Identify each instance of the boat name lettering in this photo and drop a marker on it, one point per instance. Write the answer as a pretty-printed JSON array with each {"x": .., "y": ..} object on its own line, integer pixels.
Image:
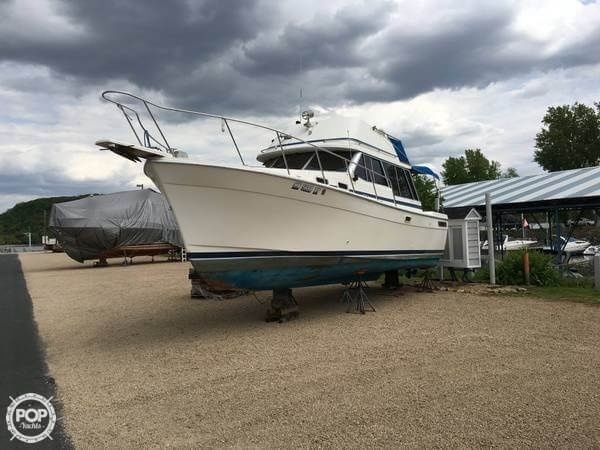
[{"x": 308, "y": 188}]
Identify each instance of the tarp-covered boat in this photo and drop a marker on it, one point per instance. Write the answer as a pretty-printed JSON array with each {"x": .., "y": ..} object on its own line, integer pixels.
[{"x": 102, "y": 226}]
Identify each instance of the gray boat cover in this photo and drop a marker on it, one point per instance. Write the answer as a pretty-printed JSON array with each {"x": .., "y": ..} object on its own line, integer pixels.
[{"x": 98, "y": 224}]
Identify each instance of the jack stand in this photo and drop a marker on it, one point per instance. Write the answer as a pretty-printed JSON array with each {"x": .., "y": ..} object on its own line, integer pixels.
[
  {"x": 426, "y": 284},
  {"x": 391, "y": 280},
  {"x": 283, "y": 306},
  {"x": 355, "y": 294},
  {"x": 102, "y": 262}
]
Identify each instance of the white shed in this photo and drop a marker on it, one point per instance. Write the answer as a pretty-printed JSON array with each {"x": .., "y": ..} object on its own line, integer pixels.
[{"x": 463, "y": 250}]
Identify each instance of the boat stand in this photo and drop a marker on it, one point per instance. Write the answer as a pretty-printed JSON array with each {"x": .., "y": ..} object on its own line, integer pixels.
[
  {"x": 465, "y": 275},
  {"x": 426, "y": 284},
  {"x": 356, "y": 296},
  {"x": 284, "y": 306},
  {"x": 392, "y": 280}
]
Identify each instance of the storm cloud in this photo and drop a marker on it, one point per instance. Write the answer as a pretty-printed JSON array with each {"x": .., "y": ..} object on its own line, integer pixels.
[{"x": 254, "y": 55}]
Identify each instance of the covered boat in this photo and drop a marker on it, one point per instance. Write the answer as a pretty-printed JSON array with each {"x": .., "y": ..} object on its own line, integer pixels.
[{"x": 120, "y": 224}]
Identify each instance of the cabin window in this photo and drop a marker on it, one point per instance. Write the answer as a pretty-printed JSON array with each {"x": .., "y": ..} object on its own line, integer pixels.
[
  {"x": 294, "y": 161},
  {"x": 330, "y": 162},
  {"x": 372, "y": 170},
  {"x": 402, "y": 183},
  {"x": 411, "y": 184},
  {"x": 378, "y": 172},
  {"x": 309, "y": 161}
]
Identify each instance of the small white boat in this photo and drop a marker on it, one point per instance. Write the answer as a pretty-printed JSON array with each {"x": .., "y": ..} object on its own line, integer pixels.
[
  {"x": 509, "y": 244},
  {"x": 570, "y": 246},
  {"x": 333, "y": 197}
]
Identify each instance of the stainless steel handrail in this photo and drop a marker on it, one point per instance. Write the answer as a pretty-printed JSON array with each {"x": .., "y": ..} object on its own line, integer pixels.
[{"x": 147, "y": 136}]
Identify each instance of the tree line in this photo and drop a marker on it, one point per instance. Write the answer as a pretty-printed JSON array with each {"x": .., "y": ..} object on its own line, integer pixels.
[{"x": 569, "y": 139}]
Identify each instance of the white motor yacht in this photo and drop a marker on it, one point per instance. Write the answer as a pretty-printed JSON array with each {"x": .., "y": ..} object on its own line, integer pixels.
[{"x": 332, "y": 198}]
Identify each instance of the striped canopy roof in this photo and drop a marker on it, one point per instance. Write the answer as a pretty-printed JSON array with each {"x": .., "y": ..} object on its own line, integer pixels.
[{"x": 553, "y": 186}]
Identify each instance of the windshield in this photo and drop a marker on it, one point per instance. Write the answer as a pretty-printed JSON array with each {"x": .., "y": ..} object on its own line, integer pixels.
[{"x": 308, "y": 161}]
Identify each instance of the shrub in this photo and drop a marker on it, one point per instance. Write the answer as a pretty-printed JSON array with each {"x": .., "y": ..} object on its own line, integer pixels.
[{"x": 541, "y": 269}]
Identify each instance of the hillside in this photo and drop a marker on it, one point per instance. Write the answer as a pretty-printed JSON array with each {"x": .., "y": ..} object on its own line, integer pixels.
[{"x": 28, "y": 216}]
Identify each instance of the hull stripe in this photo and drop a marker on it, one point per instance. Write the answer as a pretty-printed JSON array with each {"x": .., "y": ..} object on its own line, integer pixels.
[{"x": 251, "y": 254}]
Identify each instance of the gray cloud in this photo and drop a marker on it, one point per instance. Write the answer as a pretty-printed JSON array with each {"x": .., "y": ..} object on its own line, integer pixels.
[
  {"x": 244, "y": 56},
  {"x": 325, "y": 42},
  {"x": 145, "y": 42},
  {"x": 43, "y": 184}
]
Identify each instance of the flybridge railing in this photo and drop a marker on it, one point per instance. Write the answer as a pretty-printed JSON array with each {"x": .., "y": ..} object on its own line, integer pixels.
[{"x": 160, "y": 143}]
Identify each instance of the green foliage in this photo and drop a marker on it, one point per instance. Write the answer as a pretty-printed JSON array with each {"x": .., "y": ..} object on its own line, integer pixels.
[
  {"x": 427, "y": 191},
  {"x": 570, "y": 137},
  {"x": 28, "y": 217},
  {"x": 541, "y": 270},
  {"x": 511, "y": 172},
  {"x": 474, "y": 166}
]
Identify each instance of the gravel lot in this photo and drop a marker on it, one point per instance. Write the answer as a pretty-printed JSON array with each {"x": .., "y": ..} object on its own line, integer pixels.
[{"x": 138, "y": 363}]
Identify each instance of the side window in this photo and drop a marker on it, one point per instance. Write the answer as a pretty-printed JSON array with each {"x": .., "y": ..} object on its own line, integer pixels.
[
  {"x": 392, "y": 175},
  {"x": 378, "y": 172},
  {"x": 372, "y": 170},
  {"x": 403, "y": 183},
  {"x": 361, "y": 171},
  {"x": 411, "y": 183}
]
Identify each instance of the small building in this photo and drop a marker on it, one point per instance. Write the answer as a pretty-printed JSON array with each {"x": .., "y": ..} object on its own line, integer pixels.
[{"x": 463, "y": 250}]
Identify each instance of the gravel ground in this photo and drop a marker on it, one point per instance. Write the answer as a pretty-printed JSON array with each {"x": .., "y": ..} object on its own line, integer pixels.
[{"x": 138, "y": 363}]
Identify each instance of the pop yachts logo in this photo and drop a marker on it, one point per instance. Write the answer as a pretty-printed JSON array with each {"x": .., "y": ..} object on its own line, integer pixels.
[{"x": 30, "y": 418}]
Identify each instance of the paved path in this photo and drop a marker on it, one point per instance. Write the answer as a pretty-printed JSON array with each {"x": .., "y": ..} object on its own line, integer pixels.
[{"x": 22, "y": 361}]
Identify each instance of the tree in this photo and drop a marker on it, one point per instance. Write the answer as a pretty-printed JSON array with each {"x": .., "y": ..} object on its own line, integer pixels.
[
  {"x": 570, "y": 137},
  {"x": 427, "y": 191},
  {"x": 474, "y": 166},
  {"x": 28, "y": 217},
  {"x": 511, "y": 172}
]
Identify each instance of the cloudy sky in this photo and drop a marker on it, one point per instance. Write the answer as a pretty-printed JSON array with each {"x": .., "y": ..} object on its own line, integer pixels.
[{"x": 441, "y": 75}]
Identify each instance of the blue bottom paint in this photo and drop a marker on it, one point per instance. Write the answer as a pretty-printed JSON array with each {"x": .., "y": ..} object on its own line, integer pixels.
[{"x": 299, "y": 276}]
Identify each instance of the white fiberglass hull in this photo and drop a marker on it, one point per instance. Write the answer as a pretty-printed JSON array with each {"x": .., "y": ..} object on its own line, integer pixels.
[{"x": 248, "y": 228}]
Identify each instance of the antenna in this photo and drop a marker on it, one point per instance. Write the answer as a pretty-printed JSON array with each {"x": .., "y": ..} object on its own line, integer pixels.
[{"x": 300, "y": 106}]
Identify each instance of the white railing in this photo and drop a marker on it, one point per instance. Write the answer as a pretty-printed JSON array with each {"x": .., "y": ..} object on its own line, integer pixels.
[{"x": 160, "y": 143}]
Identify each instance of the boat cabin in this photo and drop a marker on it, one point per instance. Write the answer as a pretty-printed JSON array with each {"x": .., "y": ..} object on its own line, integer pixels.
[{"x": 348, "y": 154}]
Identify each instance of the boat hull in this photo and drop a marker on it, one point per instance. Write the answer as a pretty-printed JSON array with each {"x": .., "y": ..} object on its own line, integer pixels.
[
  {"x": 259, "y": 273},
  {"x": 250, "y": 229}
]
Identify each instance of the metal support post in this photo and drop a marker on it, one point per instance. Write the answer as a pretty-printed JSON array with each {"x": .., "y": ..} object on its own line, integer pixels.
[
  {"x": 597, "y": 272},
  {"x": 490, "y": 237}
]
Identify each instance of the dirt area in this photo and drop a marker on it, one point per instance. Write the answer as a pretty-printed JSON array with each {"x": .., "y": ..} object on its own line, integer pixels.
[{"x": 137, "y": 363}]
